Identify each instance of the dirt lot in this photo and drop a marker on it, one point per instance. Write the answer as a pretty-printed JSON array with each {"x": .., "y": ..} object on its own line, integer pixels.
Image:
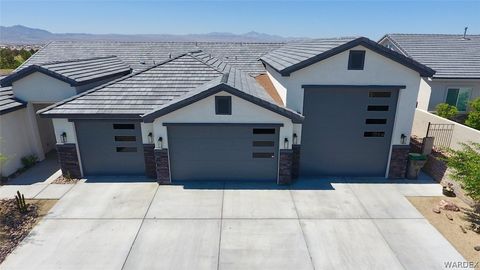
[
  {"x": 464, "y": 242},
  {"x": 14, "y": 226}
]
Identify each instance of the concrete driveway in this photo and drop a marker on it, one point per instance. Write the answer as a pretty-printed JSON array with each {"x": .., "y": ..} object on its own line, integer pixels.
[{"x": 313, "y": 224}]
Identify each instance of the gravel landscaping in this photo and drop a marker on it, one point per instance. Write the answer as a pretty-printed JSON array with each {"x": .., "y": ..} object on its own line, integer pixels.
[
  {"x": 14, "y": 226},
  {"x": 455, "y": 220},
  {"x": 65, "y": 180}
]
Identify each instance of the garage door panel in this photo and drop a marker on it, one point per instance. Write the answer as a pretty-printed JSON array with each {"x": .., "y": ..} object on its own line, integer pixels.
[
  {"x": 103, "y": 152},
  {"x": 336, "y": 139},
  {"x": 220, "y": 153}
]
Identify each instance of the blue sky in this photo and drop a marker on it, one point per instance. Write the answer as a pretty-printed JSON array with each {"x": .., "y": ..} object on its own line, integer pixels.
[{"x": 286, "y": 18}]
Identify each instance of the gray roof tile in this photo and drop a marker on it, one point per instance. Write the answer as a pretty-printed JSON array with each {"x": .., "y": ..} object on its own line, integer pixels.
[
  {"x": 76, "y": 71},
  {"x": 8, "y": 103},
  {"x": 450, "y": 55}
]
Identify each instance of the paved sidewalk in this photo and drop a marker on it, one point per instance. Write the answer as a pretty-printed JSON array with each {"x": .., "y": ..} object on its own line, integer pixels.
[{"x": 313, "y": 224}]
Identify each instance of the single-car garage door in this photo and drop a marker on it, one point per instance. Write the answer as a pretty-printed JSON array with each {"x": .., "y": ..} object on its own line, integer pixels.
[
  {"x": 223, "y": 152},
  {"x": 110, "y": 148},
  {"x": 347, "y": 131}
]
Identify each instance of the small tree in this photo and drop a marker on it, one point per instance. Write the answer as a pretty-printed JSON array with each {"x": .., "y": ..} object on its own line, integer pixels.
[
  {"x": 473, "y": 118},
  {"x": 466, "y": 168},
  {"x": 446, "y": 110}
]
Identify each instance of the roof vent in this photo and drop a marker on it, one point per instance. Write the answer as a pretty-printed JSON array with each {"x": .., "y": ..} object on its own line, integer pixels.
[{"x": 465, "y": 34}]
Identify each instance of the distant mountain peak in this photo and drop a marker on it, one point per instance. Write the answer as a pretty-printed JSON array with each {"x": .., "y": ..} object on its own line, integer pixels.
[{"x": 20, "y": 34}]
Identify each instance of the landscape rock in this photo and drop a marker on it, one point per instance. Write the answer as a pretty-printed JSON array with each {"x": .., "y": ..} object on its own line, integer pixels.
[
  {"x": 463, "y": 229},
  {"x": 477, "y": 248},
  {"x": 449, "y": 216},
  {"x": 436, "y": 210},
  {"x": 448, "y": 205}
]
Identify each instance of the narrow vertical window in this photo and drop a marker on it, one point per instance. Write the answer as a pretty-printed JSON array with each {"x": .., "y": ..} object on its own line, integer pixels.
[
  {"x": 356, "y": 60},
  {"x": 223, "y": 105}
]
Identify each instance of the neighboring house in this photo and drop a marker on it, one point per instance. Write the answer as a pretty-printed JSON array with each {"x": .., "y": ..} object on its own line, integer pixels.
[
  {"x": 456, "y": 60},
  {"x": 340, "y": 107}
]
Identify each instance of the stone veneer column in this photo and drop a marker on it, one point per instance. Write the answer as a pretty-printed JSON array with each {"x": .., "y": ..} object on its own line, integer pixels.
[
  {"x": 398, "y": 161},
  {"x": 285, "y": 167},
  {"x": 68, "y": 159},
  {"x": 296, "y": 161},
  {"x": 149, "y": 156},
  {"x": 162, "y": 166}
]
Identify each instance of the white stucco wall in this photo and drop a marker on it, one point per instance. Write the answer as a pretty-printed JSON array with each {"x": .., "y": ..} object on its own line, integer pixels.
[
  {"x": 439, "y": 89},
  {"x": 38, "y": 87},
  {"x": 203, "y": 111},
  {"x": 378, "y": 70},
  {"x": 15, "y": 140},
  {"x": 424, "y": 94},
  {"x": 461, "y": 133}
]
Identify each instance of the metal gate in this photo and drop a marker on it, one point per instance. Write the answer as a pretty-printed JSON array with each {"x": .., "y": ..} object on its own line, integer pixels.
[{"x": 442, "y": 134}]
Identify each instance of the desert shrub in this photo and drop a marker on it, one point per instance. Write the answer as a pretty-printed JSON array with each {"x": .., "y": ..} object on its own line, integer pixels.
[
  {"x": 466, "y": 168},
  {"x": 473, "y": 118},
  {"x": 29, "y": 161},
  {"x": 446, "y": 110}
]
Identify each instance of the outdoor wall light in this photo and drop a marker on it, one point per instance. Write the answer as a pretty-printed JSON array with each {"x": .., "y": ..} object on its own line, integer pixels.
[
  {"x": 63, "y": 136},
  {"x": 285, "y": 143},
  {"x": 295, "y": 138},
  {"x": 150, "y": 137},
  {"x": 403, "y": 138},
  {"x": 160, "y": 142}
]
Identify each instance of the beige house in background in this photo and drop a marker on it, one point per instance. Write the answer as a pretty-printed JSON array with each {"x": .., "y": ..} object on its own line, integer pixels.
[{"x": 456, "y": 60}]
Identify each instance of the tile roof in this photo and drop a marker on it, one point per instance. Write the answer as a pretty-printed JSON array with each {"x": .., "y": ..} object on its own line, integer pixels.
[
  {"x": 140, "y": 55},
  {"x": 164, "y": 87},
  {"x": 75, "y": 71},
  {"x": 298, "y": 55},
  {"x": 450, "y": 55},
  {"x": 296, "y": 52},
  {"x": 140, "y": 92},
  {"x": 8, "y": 103}
]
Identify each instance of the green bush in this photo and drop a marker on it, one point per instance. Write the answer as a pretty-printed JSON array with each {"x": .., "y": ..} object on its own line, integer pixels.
[
  {"x": 466, "y": 168},
  {"x": 446, "y": 110},
  {"x": 473, "y": 118},
  {"x": 29, "y": 161}
]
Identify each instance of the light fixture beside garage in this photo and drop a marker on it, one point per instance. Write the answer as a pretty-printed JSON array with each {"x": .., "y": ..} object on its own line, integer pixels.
[
  {"x": 285, "y": 143},
  {"x": 295, "y": 138},
  {"x": 150, "y": 137},
  {"x": 63, "y": 136},
  {"x": 160, "y": 142},
  {"x": 403, "y": 139}
]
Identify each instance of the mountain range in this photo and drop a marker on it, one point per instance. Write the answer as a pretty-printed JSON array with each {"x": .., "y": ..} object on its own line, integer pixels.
[{"x": 19, "y": 34}]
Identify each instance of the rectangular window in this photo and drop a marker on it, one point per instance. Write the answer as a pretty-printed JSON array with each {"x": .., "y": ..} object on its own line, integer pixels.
[
  {"x": 263, "y": 143},
  {"x": 126, "y": 149},
  {"x": 377, "y": 108},
  {"x": 356, "y": 60},
  {"x": 263, "y": 155},
  {"x": 379, "y": 94},
  {"x": 459, "y": 98},
  {"x": 125, "y": 138},
  {"x": 223, "y": 105},
  {"x": 374, "y": 134},
  {"x": 263, "y": 131},
  {"x": 123, "y": 126},
  {"x": 375, "y": 121}
]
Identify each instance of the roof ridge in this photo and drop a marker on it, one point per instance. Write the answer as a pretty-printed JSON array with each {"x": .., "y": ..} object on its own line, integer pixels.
[
  {"x": 207, "y": 64},
  {"x": 77, "y": 60}
]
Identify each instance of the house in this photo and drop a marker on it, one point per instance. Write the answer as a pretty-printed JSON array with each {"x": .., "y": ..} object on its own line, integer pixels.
[
  {"x": 456, "y": 60},
  {"x": 272, "y": 112}
]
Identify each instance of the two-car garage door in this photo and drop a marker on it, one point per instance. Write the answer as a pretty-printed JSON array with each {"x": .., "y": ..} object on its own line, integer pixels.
[{"x": 347, "y": 131}]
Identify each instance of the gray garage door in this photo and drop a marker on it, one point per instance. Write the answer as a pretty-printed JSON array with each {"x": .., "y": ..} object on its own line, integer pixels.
[
  {"x": 226, "y": 152},
  {"x": 110, "y": 148},
  {"x": 347, "y": 131}
]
